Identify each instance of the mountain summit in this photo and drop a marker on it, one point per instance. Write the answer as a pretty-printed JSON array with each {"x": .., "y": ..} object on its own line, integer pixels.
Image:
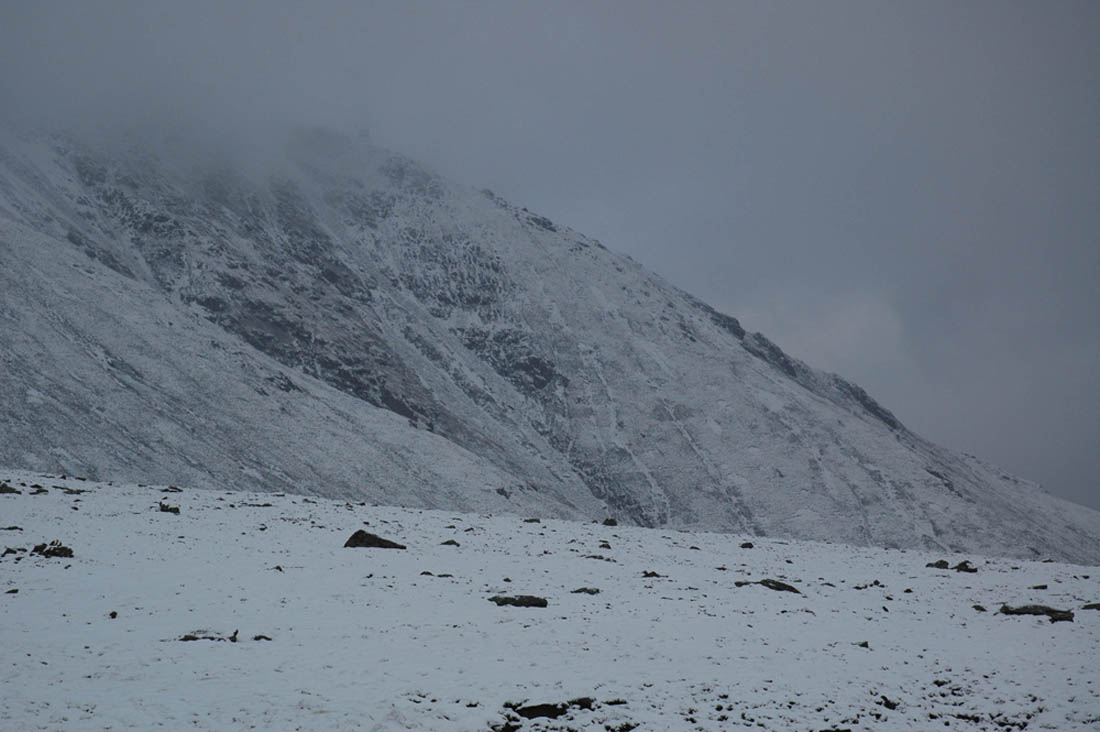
[{"x": 349, "y": 324}]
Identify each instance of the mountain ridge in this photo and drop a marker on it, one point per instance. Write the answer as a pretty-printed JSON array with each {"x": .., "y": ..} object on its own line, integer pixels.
[{"x": 351, "y": 284}]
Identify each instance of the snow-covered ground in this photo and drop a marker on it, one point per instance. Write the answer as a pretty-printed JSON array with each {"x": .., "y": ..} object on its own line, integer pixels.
[{"x": 381, "y": 639}]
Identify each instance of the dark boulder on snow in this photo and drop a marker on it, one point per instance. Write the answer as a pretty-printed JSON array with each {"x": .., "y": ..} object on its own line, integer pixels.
[
  {"x": 771, "y": 584},
  {"x": 940, "y": 564},
  {"x": 53, "y": 549},
  {"x": 1054, "y": 615},
  {"x": 365, "y": 539},
  {"x": 519, "y": 600},
  {"x": 1092, "y": 606}
]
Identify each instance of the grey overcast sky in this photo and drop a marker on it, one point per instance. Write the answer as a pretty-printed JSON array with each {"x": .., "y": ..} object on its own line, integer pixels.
[{"x": 906, "y": 193}]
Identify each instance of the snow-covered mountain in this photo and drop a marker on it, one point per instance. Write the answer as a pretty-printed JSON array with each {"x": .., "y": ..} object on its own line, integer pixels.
[
  {"x": 347, "y": 323},
  {"x": 216, "y": 610}
]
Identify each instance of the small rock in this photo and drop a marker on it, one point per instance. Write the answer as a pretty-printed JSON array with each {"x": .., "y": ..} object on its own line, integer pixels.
[
  {"x": 519, "y": 600},
  {"x": 964, "y": 566},
  {"x": 53, "y": 549},
  {"x": 12, "y": 591},
  {"x": 113, "y": 614},
  {"x": 1092, "y": 606},
  {"x": 586, "y": 591},
  {"x": 979, "y": 608},
  {"x": 261, "y": 637},
  {"x": 450, "y": 542},
  {"x": 1038, "y": 587},
  {"x": 532, "y": 521},
  {"x": 5, "y": 488},
  {"x": 649, "y": 573},
  {"x": 368, "y": 540},
  {"x": 610, "y": 522},
  {"x": 747, "y": 545},
  {"x": 939, "y": 564},
  {"x": 1054, "y": 615},
  {"x": 165, "y": 508},
  {"x": 886, "y": 702}
]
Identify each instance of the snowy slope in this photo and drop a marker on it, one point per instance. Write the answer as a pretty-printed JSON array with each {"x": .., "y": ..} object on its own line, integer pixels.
[
  {"x": 385, "y": 639},
  {"x": 348, "y": 286}
]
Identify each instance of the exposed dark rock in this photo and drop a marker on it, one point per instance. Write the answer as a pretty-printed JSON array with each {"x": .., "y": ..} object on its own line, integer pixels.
[
  {"x": 610, "y": 522},
  {"x": 13, "y": 591},
  {"x": 650, "y": 573},
  {"x": 532, "y": 521},
  {"x": 939, "y": 564},
  {"x": 1054, "y": 615},
  {"x": 371, "y": 541},
  {"x": 12, "y": 528},
  {"x": 450, "y": 542},
  {"x": 746, "y": 545},
  {"x": 519, "y": 600},
  {"x": 261, "y": 637},
  {"x": 586, "y": 591},
  {"x": 1038, "y": 587},
  {"x": 1092, "y": 606},
  {"x": 771, "y": 584},
  {"x": 165, "y": 508},
  {"x": 113, "y": 614},
  {"x": 964, "y": 566},
  {"x": 53, "y": 549},
  {"x": 5, "y": 488},
  {"x": 888, "y": 703},
  {"x": 979, "y": 608}
]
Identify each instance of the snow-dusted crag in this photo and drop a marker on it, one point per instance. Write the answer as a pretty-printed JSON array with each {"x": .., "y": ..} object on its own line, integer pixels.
[{"x": 348, "y": 323}]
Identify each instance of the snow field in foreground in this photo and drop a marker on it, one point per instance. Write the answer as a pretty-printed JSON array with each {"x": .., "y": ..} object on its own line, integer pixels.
[{"x": 381, "y": 639}]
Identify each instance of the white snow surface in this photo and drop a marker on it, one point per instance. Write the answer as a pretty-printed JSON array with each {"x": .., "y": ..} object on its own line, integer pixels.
[{"x": 384, "y": 639}]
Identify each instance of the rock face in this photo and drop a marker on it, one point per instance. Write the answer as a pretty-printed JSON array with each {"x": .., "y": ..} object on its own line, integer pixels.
[{"x": 350, "y": 324}]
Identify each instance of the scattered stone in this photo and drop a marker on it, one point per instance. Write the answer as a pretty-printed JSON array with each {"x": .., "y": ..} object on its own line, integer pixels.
[
  {"x": 519, "y": 600},
  {"x": 771, "y": 584},
  {"x": 605, "y": 545},
  {"x": 261, "y": 637},
  {"x": 979, "y": 608},
  {"x": 365, "y": 539},
  {"x": 172, "y": 489},
  {"x": 73, "y": 491},
  {"x": 747, "y": 545},
  {"x": 13, "y": 591},
  {"x": 5, "y": 488},
  {"x": 886, "y": 702},
  {"x": 586, "y": 591},
  {"x": 939, "y": 564},
  {"x": 1038, "y": 587},
  {"x": 610, "y": 522},
  {"x": 1092, "y": 606},
  {"x": 39, "y": 490},
  {"x": 12, "y": 528},
  {"x": 649, "y": 573},
  {"x": 165, "y": 508},
  {"x": 12, "y": 550},
  {"x": 863, "y": 644},
  {"x": 601, "y": 557},
  {"x": 964, "y": 566},
  {"x": 450, "y": 542},
  {"x": 532, "y": 521},
  {"x": 113, "y": 614},
  {"x": 53, "y": 549},
  {"x": 1054, "y": 615},
  {"x": 188, "y": 637}
]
